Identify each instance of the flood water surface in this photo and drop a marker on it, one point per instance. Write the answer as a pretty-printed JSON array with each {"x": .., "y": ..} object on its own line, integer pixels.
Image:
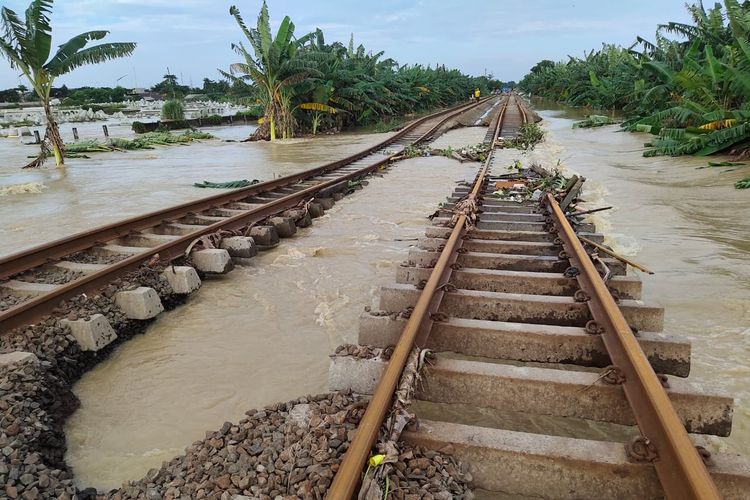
[
  {"x": 262, "y": 333},
  {"x": 690, "y": 226},
  {"x": 258, "y": 335},
  {"x": 39, "y": 205}
]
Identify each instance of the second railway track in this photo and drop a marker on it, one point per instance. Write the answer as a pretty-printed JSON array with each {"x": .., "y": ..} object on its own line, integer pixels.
[{"x": 35, "y": 281}]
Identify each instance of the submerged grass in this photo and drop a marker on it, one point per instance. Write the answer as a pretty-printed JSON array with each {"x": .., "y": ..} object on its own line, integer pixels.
[
  {"x": 594, "y": 121},
  {"x": 145, "y": 141}
]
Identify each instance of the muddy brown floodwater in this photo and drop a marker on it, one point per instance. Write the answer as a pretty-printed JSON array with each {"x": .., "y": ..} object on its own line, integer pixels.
[
  {"x": 39, "y": 205},
  {"x": 258, "y": 335},
  {"x": 263, "y": 333}
]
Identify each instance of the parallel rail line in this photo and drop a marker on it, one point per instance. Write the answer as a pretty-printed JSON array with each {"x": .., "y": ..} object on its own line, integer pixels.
[
  {"x": 304, "y": 186},
  {"x": 663, "y": 442}
]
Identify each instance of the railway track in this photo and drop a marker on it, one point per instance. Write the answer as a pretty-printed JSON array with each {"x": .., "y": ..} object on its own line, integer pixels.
[
  {"x": 550, "y": 378},
  {"x": 35, "y": 281}
]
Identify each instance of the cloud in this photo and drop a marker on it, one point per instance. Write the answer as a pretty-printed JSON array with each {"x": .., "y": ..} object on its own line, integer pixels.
[{"x": 193, "y": 37}]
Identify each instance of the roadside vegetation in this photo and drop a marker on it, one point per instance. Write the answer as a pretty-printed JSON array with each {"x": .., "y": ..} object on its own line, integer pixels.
[
  {"x": 304, "y": 84},
  {"x": 689, "y": 87},
  {"x": 26, "y": 44},
  {"x": 291, "y": 83}
]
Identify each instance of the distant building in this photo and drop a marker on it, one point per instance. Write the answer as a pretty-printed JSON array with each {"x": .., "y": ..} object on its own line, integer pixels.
[{"x": 139, "y": 93}]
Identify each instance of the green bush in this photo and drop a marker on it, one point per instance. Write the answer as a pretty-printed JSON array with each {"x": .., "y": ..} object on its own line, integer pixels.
[
  {"x": 212, "y": 120},
  {"x": 173, "y": 109},
  {"x": 108, "y": 109},
  {"x": 139, "y": 127},
  {"x": 250, "y": 114}
]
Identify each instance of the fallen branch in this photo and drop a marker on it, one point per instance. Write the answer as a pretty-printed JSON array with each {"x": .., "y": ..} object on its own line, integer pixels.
[{"x": 616, "y": 256}]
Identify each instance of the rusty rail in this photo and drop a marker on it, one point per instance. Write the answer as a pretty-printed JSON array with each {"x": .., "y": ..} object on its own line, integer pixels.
[
  {"x": 664, "y": 440},
  {"x": 26, "y": 312},
  {"x": 416, "y": 331}
]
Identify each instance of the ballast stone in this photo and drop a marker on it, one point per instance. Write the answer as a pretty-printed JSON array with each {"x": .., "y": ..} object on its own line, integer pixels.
[
  {"x": 92, "y": 334},
  {"x": 182, "y": 279},
  {"x": 239, "y": 246},
  {"x": 17, "y": 357},
  {"x": 212, "y": 261},
  {"x": 141, "y": 303}
]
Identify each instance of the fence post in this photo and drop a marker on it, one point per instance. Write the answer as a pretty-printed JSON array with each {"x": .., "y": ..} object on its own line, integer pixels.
[
  {"x": 36, "y": 136},
  {"x": 106, "y": 131},
  {"x": 75, "y": 133}
]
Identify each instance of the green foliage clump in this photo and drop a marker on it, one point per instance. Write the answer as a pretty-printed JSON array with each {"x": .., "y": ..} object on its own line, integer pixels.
[
  {"x": 529, "y": 135},
  {"x": 145, "y": 141},
  {"x": 303, "y": 82},
  {"x": 173, "y": 109},
  {"x": 250, "y": 114},
  {"x": 594, "y": 121},
  {"x": 212, "y": 120},
  {"x": 690, "y": 87},
  {"x": 388, "y": 125},
  {"x": 743, "y": 184},
  {"x": 139, "y": 127}
]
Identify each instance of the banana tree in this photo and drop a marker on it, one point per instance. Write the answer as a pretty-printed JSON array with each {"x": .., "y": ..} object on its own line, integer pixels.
[
  {"x": 274, "y": 66},
  {"x": 27, "y": 45}
]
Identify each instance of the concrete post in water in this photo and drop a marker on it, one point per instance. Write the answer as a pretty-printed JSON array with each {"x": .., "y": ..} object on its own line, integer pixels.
[
  {"x": 75, "y": 133},
  {"x": 37, "y": 139},
  {"x": 106, "y": 131}
]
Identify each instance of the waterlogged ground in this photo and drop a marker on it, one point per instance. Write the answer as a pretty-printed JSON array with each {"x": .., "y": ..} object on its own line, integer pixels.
[
  {"x": 690, "y": 226},
  {"x": 262, "y": 333},
  {"x": 259, "y": 335}
]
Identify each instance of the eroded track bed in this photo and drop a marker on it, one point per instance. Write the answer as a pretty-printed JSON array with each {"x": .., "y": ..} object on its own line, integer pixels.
[{"x": 543, "y": 359}]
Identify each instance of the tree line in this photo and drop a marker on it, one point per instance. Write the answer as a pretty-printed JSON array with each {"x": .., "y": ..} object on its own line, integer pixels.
[
  {"x": 294, "y": 83},
  {"x": 689, "y": 86}
]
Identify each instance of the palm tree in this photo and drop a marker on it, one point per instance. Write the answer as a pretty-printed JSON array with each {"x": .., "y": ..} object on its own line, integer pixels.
[
  {"x": 274, "y": 66},
  {"x": 27, "y": 46}
]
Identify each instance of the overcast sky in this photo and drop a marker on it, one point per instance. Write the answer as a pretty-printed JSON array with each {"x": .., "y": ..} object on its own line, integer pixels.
[{"x": 505, "y": 38}]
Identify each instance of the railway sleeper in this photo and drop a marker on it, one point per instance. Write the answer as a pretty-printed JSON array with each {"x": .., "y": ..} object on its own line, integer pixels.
[
  {"x": 497, "y": 225},
  {"x": 527, "y": 342},
  {"x": 520, "y": 308},
  {"x": 145, "y": 240},
  {"x": 200, "y": 219},
  {"x": 495, "y": 246},
  {"x": 487, "y": 202},
  {"x": 174, "y": 229},
  {"x": 535, "y": 283},
  {"x": 509, "y": 262},
  {"x": 539, "y": 391},
  {"x": 537, "y": 465},
  {"x": 488, "y": 207},
  {"x": 502, "y": 216},
  {"x": 26, "y": 289},
  {"x": 81, "y": 267},
  {"x": 508, "y": 235}
]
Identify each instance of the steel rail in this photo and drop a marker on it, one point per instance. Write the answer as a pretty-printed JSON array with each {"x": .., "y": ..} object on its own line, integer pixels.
[
  {"x": 27, "y": 311},
  {"x": 416, "y": 331},
  {"x": 678, "y": 465},
  {"x": 32, "y": 257}
]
